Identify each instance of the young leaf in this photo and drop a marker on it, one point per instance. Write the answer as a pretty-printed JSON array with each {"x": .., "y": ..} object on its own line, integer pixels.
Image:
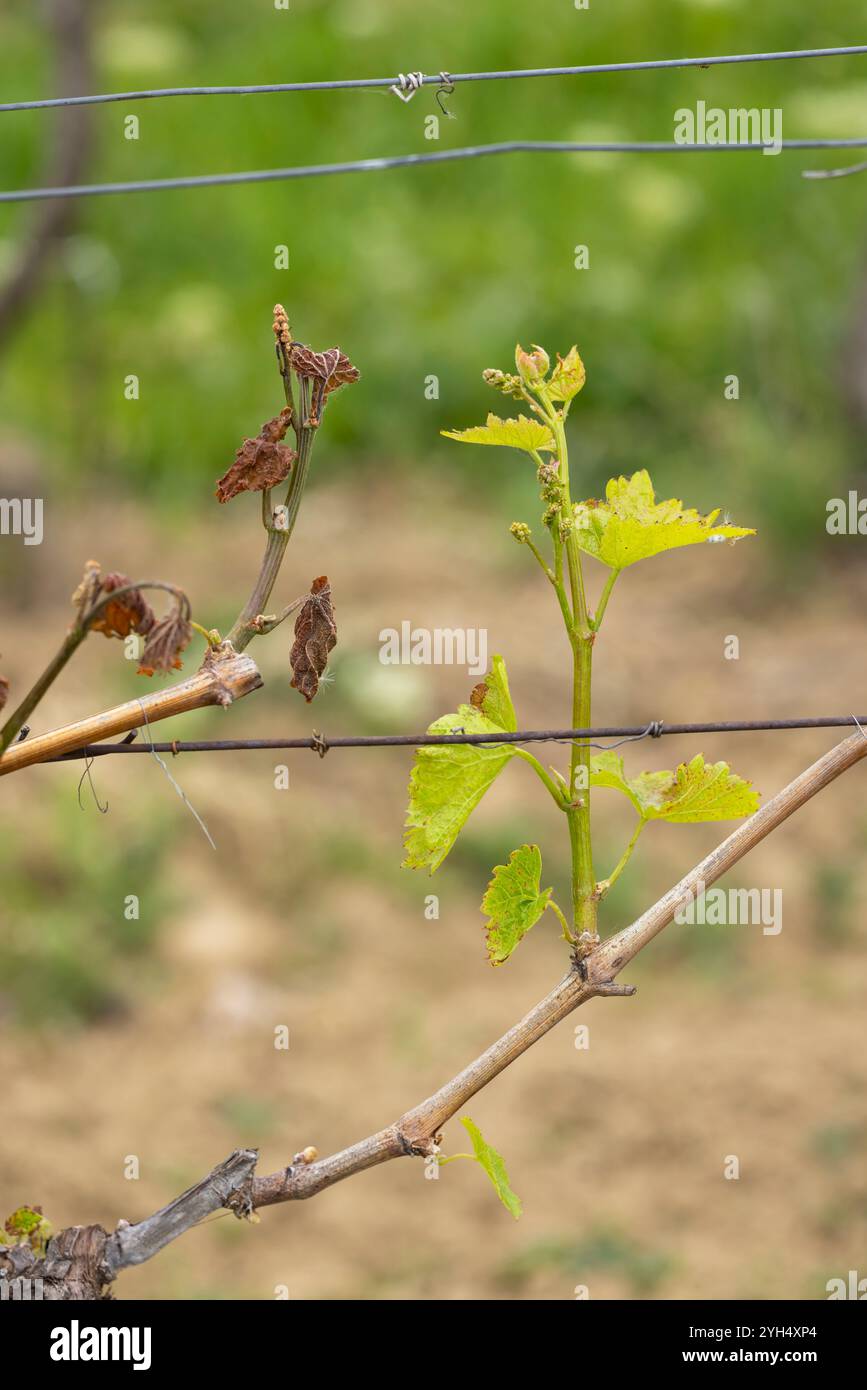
[
  {"x": 449, "y": 780},
  {"x": 495, "y": 1168},
  {"x": 696, "y": 791},
  {"x": 513, "y": 902},
  {"x": 567, "y": 377},
  {"x": 522, "y": 433},
  {"x": 630, "y": 525},
  {"x": 28, "y": 1226}
]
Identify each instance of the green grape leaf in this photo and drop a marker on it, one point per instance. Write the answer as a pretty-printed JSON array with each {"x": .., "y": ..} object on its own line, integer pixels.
[
  {"x": 495, "y": 1168},
  {"x": 695, "y": 791},
  {"x": 449, "y": 780},
  {"x": 522, "y": 433},
  {"x": 630, "y": 525},
  {"x": 567, "y": 377},
  {"x": 513, "y": 902}
]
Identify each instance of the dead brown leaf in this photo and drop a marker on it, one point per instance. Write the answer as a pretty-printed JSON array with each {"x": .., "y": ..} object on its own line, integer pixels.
[
  {"x": 166, "y": 640},
  {"x": 315, "y": 637},
  {"x": 260, "y": 463}
]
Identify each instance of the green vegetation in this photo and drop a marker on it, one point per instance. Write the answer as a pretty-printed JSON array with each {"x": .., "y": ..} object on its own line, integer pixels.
[{"x": 700, "y": 266}]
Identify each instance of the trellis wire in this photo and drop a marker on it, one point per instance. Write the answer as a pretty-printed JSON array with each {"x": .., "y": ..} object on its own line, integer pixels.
[
  {"x": 365, "y": 166},
  {"x": 343, "y": 84},
  {"x": 657, "y": 728}
]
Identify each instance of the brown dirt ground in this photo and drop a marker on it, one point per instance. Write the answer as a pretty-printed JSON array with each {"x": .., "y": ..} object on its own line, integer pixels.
[{"x": 749, "y": 1045}]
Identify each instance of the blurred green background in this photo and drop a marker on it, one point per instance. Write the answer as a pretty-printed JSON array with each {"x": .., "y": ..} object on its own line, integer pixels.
[
  {"x": 700, "y": 266},
  {"x": 153, "y": 1036}
]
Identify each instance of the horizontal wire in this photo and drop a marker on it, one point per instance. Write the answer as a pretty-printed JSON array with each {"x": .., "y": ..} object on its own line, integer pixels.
[
  {"x": 343, "y": 84},
  {"x": 321, "y": 745},
  {"x": 399, "y": 161}
]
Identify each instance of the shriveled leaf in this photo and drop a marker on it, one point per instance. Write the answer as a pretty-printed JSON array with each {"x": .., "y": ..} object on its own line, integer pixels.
[
  {"x": 513, "y": 902},
  {"x": 449, "y": 780},
  {"x": 4, "y": 691},
  {"x": 495, "y": 1168},
  {"x": 522, "y": 433},
  {"x": 630, "y": 525},
  {"x": 130, "y": 612},
  {"x": 165, "y": 642},
  {"x": 327, "y": 371},
  {"x": 260, "y": 463},
  {"x": 567, "y": 377},
  {"x": 315, "y": 637},
  {"x": 695, "y": 791},
  {"x": 28, "y": 1226}
]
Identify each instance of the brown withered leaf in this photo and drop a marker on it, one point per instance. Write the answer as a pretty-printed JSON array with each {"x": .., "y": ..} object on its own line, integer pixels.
[
  {"x": 166, "y": 640},
  {"x": 131, "y": 612},
  {"x": 327, "y": 370},
  {"x": 315, "y": 637},
  {"x": 4, "y": 691},
  {"x": 260, "y": 463}
]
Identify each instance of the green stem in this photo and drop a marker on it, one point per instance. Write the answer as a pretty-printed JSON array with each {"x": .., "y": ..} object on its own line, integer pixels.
[
  {"x": 612, "y": 878},
  {"x": 212, "y": 638},
  {"x": 584, "y": 899},
  {"x": 567, "y": 935},
  {"x": 544, "y": 777},
  {"x": 596, "y": 620},
  {"x": 581, "y": 638},
  {"x": 546, "y": 569}
]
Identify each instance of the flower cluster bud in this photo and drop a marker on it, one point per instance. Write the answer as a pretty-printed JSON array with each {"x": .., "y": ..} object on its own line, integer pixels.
[
  {"x": 507, "y": 382},
  {"x": 521, "y": 531}
]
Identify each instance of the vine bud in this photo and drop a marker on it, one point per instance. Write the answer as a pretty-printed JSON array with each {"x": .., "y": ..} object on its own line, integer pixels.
[
  {"x": 521, "y": 531},
  {"x": 532, "y": 366}
]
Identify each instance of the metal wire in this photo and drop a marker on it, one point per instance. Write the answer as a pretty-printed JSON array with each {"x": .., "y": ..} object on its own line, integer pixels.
[
  {"x": 343, "y": 84},
  {"x": 400, "y": 161},
  {"x": 657, "y": 728}
]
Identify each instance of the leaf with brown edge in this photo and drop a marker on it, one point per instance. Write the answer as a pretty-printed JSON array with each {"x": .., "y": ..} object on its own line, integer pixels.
[
  {"x": 4, "y": 691},
  {"x": 166, "y": 640},
  {"x": 315, "y": 637},
  {"x": 260, "y": 463},
  {"x": 131, "y": 612}
]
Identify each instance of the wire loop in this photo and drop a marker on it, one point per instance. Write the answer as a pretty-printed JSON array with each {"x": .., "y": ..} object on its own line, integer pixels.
[{"x": 407, "y": 85}]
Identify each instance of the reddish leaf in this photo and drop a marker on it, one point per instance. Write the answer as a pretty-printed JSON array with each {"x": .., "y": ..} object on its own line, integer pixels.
[
  {"x": 166, "y": 640},
  {"x": 315, "y": 636},
  {"x": 131, "y": 612},
  {"x": 4, "y": 691},
  {"x": 260, "y": 463}
]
